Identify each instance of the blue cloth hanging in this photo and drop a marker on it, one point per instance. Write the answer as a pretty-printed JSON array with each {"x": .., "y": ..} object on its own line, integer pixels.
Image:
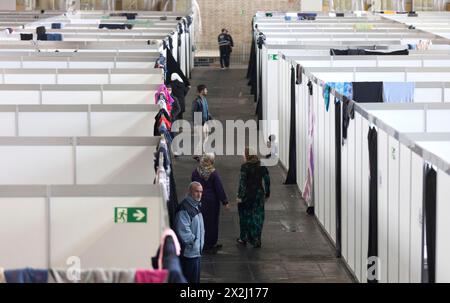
[
  {"x": 344, "y": 88},
  {"x": 398, "y": 92}
]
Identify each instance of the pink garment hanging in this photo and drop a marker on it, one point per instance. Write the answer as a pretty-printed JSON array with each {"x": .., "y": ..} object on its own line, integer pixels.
[
  {"x": 308, "y": 186},
  {"x": 168, "y": 233},
  {"x": 151, "y": 276},
  {"x": 162, "y": 89}
]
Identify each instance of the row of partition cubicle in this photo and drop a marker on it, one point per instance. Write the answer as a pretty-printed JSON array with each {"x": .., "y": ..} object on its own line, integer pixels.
[
  {"x": 382, "y": 190},
  {"x": 76, "y": 140}
]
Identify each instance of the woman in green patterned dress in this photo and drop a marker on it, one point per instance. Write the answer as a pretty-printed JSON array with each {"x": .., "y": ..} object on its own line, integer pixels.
[{"x": 254, "y": 188}]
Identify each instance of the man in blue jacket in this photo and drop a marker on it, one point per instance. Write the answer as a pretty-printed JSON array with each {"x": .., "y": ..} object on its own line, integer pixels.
[{"x": 191, "y": 232}]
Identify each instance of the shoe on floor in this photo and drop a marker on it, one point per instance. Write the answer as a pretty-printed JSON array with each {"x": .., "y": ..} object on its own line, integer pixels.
[{"x": 242, "y": 242}]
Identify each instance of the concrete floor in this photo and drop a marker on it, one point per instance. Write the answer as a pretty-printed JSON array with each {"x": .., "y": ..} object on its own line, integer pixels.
[{"x": 294, "y": 249}]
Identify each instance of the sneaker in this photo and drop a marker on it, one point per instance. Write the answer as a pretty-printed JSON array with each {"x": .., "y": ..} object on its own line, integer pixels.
[{"x": 242, "y": 242}]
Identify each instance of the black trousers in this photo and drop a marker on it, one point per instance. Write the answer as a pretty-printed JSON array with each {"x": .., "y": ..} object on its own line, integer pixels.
[
  {"x": 373, "y": 196},
  {"x": 224, "y": 56},
  {"x": 191, "y": 269},
  {"x": 429, "y": 226}
]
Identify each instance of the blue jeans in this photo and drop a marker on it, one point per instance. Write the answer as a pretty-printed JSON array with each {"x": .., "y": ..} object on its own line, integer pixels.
[{"x": 191, "y": 269}]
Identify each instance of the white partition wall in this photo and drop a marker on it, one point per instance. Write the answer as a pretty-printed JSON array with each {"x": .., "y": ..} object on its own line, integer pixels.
[
  {"x": 65, "y": 221},
  {"x": 77, "y": 94},
  {"x": 77, "y": 160},
  {"x": 77, "y": 120}
]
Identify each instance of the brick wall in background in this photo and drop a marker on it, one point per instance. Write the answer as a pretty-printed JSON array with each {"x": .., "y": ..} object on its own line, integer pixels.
[{"x": 236, "y": 16}]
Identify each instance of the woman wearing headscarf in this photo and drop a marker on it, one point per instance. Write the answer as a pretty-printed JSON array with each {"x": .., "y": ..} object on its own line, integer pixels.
[
  {"x": 179, "y": 90},
  {"x": 213, "y": 195},
  {"x": 254, "y": 189}
]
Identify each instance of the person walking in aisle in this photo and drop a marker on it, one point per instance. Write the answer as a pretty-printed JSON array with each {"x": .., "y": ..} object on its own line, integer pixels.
[
  {"x": 225, "y": 47},
  {"x": 180, "y": 90},
  {"x": 254, "y": 189},
  {"x": 191, "y": 232},
  {"x": 200, "y": 105},
  {"x": 213, "y": 195}
]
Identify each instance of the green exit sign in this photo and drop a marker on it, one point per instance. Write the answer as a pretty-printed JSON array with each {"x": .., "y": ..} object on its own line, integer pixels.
[
  {"x": 273, "y": 57},
  {"x": 130, "y": 215}
]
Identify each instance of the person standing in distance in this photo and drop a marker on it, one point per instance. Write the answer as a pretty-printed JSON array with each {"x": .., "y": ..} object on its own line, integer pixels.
[{"x": 226, "y": 47}]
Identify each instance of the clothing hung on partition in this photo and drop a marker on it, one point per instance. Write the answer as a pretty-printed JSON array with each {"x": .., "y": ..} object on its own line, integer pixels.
[
  {"x": 2, "y": 275},
  {"x": 151, "y": 276},
  {"x": 372, "y": 138},
  {"x": 307, "y": 192},
  {"x": 365, "y": 52},
  {"x": 163, "y": 179},
  {"x": 26, "y": 37},
  {"x": 299, "y": 74},
  {"x": 344, "y": 88},
  {"x": 174, "y": 67},
  {"x": 398, "y": 92},
  {"x": 338, "y": 175},
  {"x": 26, "y": 275},
  {"x": 292, "y": 172},
  {"x": 116, "y": 26},
  {"x": 93, "y": 276},
  {"x": 54, "y": 37},
  {"x": 368, "y": 92},
  {"x": 429, "y": 225}
]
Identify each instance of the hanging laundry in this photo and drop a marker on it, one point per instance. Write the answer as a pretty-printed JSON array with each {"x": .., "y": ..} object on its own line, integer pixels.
[
  {"x": 308, "y": 186},
  {"x": 54, "y": 37},
  {"x": 26, "y": 275},
  {"x": 161, "y": 116},
  {"x": 93, "y": 276},
  {"x": 429, "y": 219},
  {"x": 348, "y": 112},
  {"x": 398, "y": 92},
  {"x": 164, "y": 130},
  {"x": 164, "y": 181},
  {"x": 368, "y": 92},
  {"x": 403, "y": 52},
  {"x": 306, "y": 16},
  {"x": 163, "y": 93},
  {"x": 338, "y": 174},
  {"x": 292, "y": 172},
  {"x": 365, "y": 52},
  {"x": 115, "y": 26},
  {"x": 173, "y": 67},
  {"x": 151, "y": 276},
  {"x": 372, "y": 251},
  {"x": 2, "y": 275},
  {"x": 261, "y": 40},
  {"x": 343, "y": 88},
  {"x": 299, "y": 73},
  {"x": 26, "y": 37},
  {"x": 167, "y": 257},
  {"x": 363, "y": 27},
  {"x": 163, "y": 151},
  {"x": 424, "y": 45}
]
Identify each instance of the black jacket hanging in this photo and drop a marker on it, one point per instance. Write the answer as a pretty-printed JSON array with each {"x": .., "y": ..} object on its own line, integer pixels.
[
  {"x": 251, "y": 73},
  {"x": 173, "y": 67},
  {"x": 373, "y": 198},
  {"x": 292, "y": 172},
  {"x": 337, "y": 130},
  {"x": 429, "y": 226}
]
